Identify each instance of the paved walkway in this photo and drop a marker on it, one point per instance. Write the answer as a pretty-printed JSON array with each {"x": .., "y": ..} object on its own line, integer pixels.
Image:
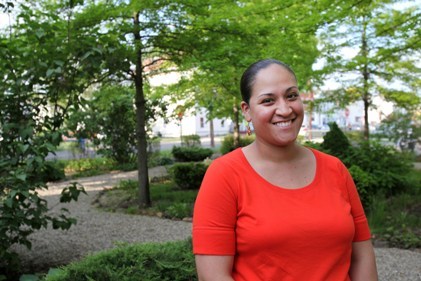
[{"x": 97, "y": 230}]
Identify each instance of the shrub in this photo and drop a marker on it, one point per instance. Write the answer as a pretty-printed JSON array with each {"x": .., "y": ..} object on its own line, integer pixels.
[
  {"x": 387, "y": 168},
  {"x": 171, "y": 261},
  {"x": 227, "y": 144},
  {"x": 190, "y": 140},
  {"x": 191, "y": 154},
  {"x": 53, "y": 171},
  {"x": 188, "y": 175},
  {"x": 335, "y": 142},
  {"x": 161, "y": 158}
]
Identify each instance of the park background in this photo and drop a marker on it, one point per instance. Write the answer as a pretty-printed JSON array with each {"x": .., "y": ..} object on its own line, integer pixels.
[{"x": 110, "y": 81}]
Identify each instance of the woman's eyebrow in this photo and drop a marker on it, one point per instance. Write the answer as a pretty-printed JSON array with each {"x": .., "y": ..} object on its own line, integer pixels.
[{"x": 272, "y": 94}]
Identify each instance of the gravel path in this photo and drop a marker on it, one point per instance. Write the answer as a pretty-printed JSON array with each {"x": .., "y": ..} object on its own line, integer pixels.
[{"x": 97, "y": 230}]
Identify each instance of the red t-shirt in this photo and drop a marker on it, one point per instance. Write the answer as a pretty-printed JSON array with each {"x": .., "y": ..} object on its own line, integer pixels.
[{"x": 276, "y": 233}]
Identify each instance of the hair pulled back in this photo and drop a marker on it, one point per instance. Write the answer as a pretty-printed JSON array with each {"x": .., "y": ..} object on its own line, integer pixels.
[{"x": 249, "y": 75}]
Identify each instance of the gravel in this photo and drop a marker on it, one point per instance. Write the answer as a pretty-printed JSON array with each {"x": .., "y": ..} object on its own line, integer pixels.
[{"x": 97, "y": 230}]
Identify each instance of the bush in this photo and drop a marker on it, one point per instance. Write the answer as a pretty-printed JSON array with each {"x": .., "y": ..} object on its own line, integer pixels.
[
  {"x": 188, "y": 175},
  {"x": 380, "y": 168},
  {"x": 227, "y": 144},
  {"x": 190, "y": 140},
  {"x": 191, "y": 154},
  {"x": 53, "y": 171},
  {"x": 171, "y": 261},
  {"x": 161, "y": 158},
  {"x": 335, "y": 142}
]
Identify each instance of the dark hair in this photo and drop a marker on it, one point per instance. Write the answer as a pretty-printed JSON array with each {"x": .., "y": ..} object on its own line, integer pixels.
[{"x": 247, "y": 80}]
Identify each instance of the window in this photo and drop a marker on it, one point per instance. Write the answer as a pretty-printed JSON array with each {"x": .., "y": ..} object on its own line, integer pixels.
[
  {"x": 202, "y": 122},
  {"x": 222, "y": 123}
]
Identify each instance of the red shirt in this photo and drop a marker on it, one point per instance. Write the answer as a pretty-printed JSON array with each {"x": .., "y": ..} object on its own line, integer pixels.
[{"x": 276, "y": 233}]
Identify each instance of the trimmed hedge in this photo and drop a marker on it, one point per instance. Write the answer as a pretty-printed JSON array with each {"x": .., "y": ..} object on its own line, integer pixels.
[
  {"x": 191, "y": 153},
  {"x": 170, "y": 261},
  {"x": 188, "y": 175}
]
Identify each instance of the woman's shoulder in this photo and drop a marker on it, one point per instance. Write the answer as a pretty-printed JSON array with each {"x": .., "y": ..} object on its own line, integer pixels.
[
  {"x": 229, "y": 161},
  {"x": 234, "y": 156}
]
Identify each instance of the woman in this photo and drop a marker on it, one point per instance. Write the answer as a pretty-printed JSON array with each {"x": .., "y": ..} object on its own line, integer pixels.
[{"x": 275, "y": 210}]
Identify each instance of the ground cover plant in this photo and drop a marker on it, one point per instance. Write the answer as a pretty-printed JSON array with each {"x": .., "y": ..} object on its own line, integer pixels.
[{"x": 170, "y": 261}]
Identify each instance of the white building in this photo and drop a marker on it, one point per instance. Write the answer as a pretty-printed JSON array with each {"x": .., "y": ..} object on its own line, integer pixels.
[{"x": 193, "y": 121}]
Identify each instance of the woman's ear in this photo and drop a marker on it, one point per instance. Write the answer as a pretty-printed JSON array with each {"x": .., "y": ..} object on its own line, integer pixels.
[{"x": 245, "y": 108}]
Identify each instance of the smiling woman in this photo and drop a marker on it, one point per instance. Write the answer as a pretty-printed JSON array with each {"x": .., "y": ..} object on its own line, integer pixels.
[{"x": 269, "y": 210}]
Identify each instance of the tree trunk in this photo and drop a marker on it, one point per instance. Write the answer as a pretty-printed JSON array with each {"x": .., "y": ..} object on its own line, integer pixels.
[
  {"x": 366, "y": 76},
  {"x": 142, "y": 159},
  {"x": 211, "y": 133}
]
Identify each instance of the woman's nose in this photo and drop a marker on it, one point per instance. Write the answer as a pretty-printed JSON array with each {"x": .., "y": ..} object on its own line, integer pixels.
[{"x": 283, "y": 108}]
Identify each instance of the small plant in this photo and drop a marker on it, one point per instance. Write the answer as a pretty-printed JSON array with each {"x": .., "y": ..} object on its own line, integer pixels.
[
  {"x": 190, "y": 140},
  {"x": 227, "y": 144},
  {"x": 179, "y": 210}
]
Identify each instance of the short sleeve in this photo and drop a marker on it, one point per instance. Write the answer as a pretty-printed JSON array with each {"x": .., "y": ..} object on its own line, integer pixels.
[
  {"x": 362, "y": 230},
  {"x": 215, "y": 212}
]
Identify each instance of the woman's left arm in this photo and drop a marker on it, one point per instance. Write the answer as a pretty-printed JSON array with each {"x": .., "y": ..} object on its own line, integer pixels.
[{"x": 363, "y": 262}]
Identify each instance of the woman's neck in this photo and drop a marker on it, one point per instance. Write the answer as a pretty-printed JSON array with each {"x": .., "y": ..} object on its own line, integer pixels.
[{"x": 275, "y": 153}]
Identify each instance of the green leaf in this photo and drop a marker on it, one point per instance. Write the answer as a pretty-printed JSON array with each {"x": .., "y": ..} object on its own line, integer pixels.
[
  {"x": 50, "y": 72},
  {"x": 28, "y": 277},
  {"x": 54, "y": 272},
  {"x": 40, "y": 33}
]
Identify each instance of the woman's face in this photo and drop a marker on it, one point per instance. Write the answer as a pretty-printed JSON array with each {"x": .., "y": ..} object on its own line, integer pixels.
[{"x": 275, "y": 106}]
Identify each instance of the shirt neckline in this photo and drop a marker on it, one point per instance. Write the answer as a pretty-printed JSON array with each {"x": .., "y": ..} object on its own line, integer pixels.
[{"x": 280, "y": 188}]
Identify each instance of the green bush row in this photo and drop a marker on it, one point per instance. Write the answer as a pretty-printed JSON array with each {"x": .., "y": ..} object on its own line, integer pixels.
[{"x": 170, "y": 261}]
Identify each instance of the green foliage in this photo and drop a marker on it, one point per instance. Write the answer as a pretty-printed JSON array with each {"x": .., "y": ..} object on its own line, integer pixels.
[
  {"x": 168, "y": 200},
  {"x": 160, "y": 159},
  {"x": 379, "y": 168},
  {"x": 188, "y": 175},
  {"x": 397, "y": 219},
  {"x": 335, "y": 142},
  {"x": 386, "y": 53},
  {"x": 53, "y": 171},
  {"x": 179, "y": 210},
  {"x": 88, "y": 166},
  {"x": 190, "y": 140},
  {"x": 399, "y": 124},
  {"x": 227, "y": 144},
  {"x": 191, "y": 153},
  {"x": 374, "y": 167},
  {"x": 171, "y": 261}
]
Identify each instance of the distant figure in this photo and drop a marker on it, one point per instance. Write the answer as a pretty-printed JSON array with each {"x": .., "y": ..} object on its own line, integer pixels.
[{"x": 82, "y": 146}]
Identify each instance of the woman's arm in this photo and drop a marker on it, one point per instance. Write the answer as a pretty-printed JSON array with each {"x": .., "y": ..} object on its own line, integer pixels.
[
  {"x": 363, "y": 262},
  {"x": 218, "y": 268}
]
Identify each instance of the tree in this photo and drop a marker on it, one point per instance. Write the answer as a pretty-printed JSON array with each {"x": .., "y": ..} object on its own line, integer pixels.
[
  {"x": 233, "y": 35},
  {"x": 387, "y": 46},
  {"x": 39, "y": 82}
]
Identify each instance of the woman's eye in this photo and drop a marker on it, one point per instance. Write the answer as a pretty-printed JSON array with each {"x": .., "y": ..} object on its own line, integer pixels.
[
  {"x": 293, "y": 96},
  {"x": 268, "y": 100}
]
